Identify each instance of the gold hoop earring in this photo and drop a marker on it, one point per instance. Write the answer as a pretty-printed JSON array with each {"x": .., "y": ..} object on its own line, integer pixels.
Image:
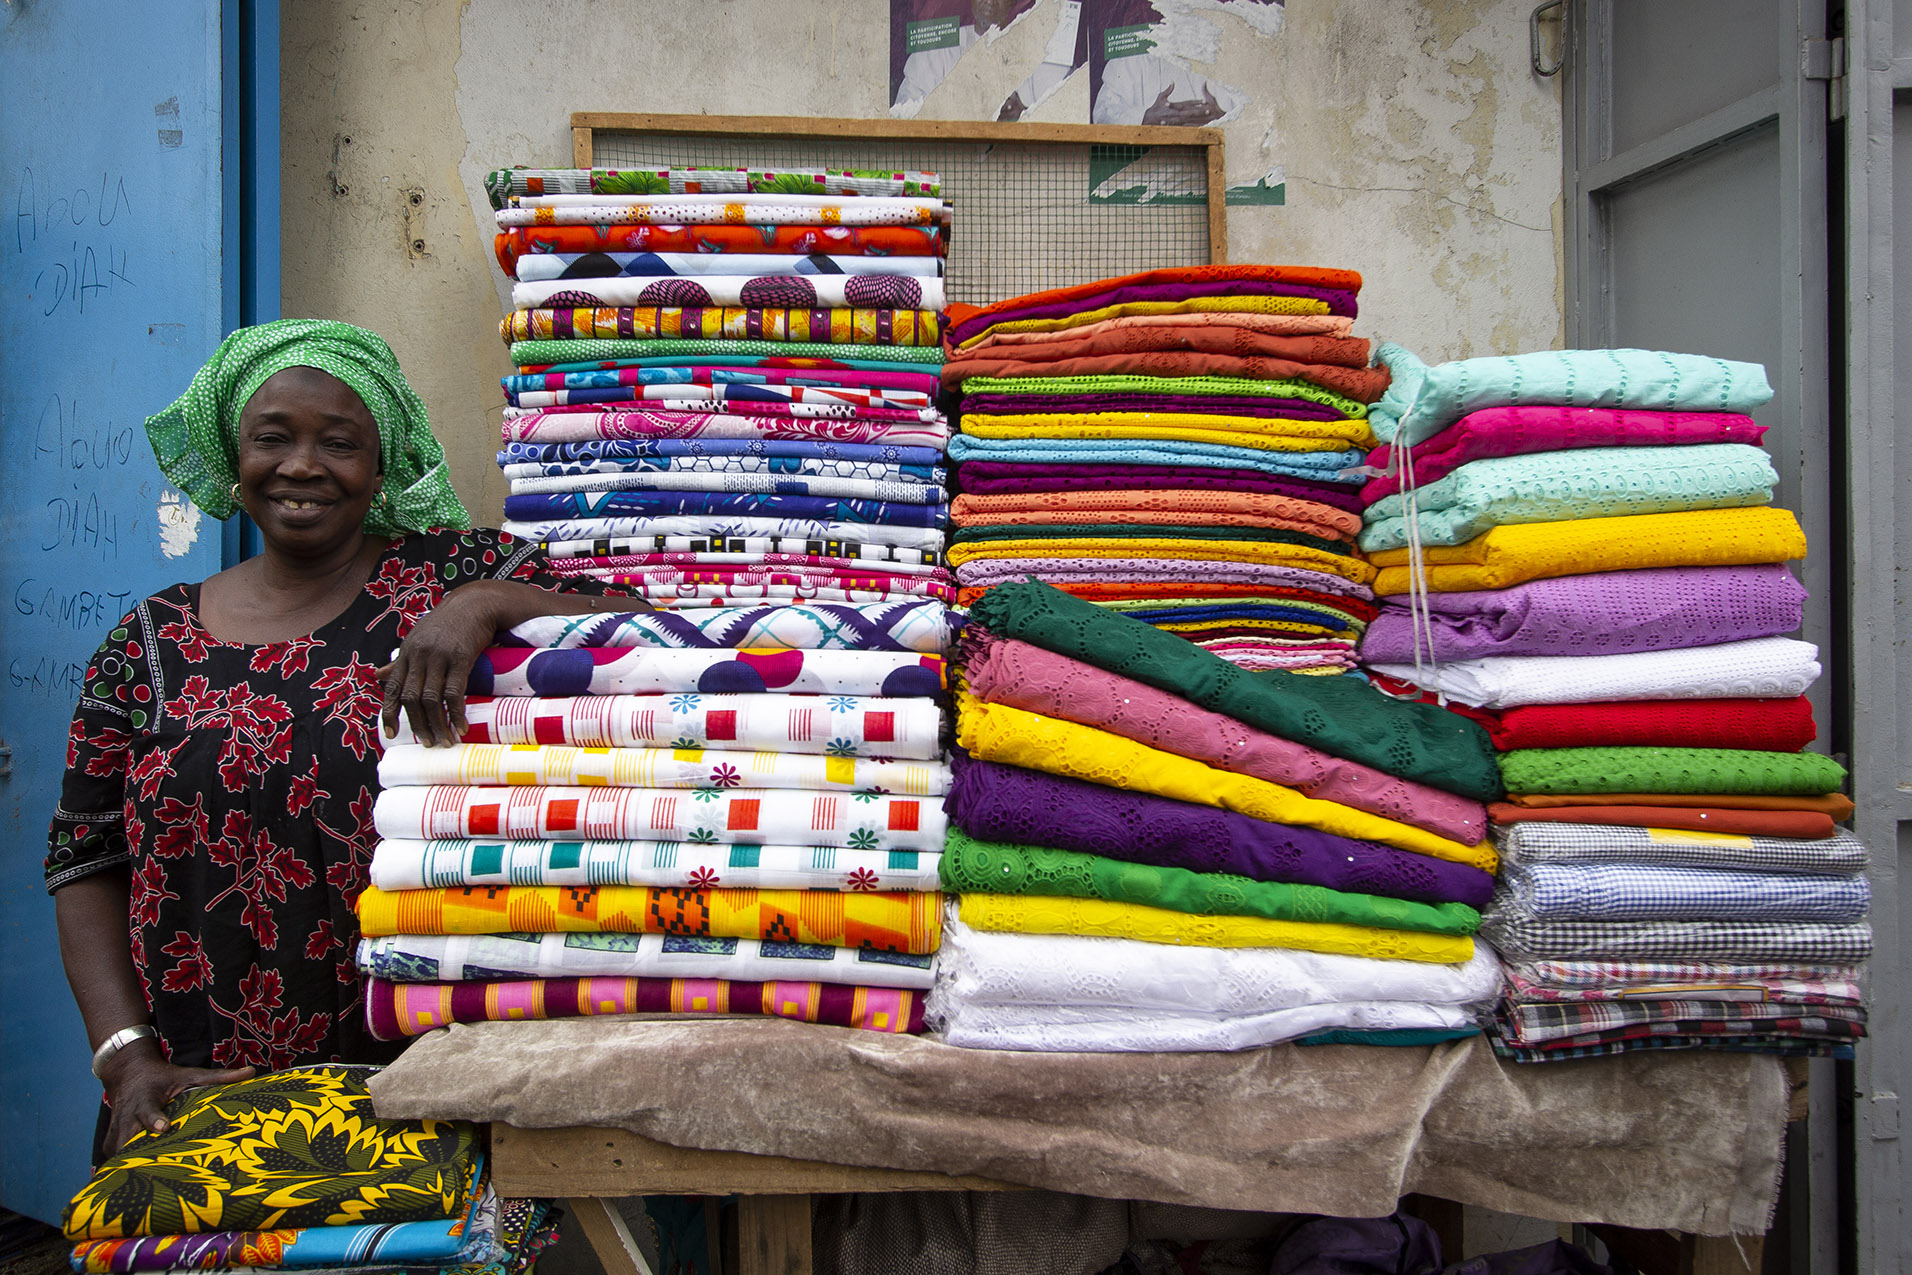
[
  {"x": 235, "y": 495},
  {"x": 384, "y": 498}
]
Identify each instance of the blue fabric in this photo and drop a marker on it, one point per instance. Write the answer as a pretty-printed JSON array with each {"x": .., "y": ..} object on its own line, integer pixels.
[
  {"x": 1319, "y": 466},
  {"x": 635, "y": 448},
  {"x": 1647, "y": 892}
]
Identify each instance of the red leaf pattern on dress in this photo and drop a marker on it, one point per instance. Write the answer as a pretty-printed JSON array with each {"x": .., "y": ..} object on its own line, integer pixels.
[
  {"x": 194, "y": 970},
  {"x": 147, "y": 891},
  {"x": 408, "y": 592},
  {"x": 258, "y": 731},
  {"x": 261, "y": 1038},
  {"x": 350, "y": 695},
  {"x": 262, "y": 870},
  {"x": 185, "y": 825},
  {"x": 289, "y": 657},
  {"x": 320, "y": 941}
]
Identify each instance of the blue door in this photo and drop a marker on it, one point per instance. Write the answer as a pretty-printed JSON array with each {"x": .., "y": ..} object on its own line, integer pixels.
[{"x": 123, "y": 260}]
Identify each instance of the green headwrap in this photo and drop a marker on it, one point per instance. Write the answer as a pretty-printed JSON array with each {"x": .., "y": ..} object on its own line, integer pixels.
[{"x": 196, "y": 440}]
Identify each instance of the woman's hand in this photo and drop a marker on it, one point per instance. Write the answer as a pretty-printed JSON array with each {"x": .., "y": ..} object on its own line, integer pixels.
[
  {"x": 427, "y": 677},
  {"x": 139, "y": 1084}
]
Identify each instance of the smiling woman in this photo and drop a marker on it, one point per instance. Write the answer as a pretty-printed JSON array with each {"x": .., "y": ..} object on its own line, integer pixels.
[{"x": 214, "y": 828}]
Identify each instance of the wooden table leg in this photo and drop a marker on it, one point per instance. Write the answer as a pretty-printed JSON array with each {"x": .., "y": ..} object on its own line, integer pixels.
[
  {"x": 773, "y": 1235},
  {"x": 610, "y": 1239}
]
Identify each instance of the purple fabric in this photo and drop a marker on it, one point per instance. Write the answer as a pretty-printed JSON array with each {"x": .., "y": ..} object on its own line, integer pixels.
[
  {"x": 1608, "y": 613},
  {"x": 1026, "y": 807},
  {"x": 981, "y": 573},
  {"x": 1292, "y": 409},
  {"x": 1004, "y": 478},
  {"x": 1340, "y": 301}
]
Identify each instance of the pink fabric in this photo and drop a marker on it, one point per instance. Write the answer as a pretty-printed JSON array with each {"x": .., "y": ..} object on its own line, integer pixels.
[
  {"x": 1515, "y": 431},
  {"x": 1004, "y": 671},
  {"x": 578, "y": 427}
]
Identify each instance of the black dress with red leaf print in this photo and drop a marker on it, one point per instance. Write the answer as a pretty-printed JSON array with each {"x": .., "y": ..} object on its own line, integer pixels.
[{"x": 237, "y": 781}]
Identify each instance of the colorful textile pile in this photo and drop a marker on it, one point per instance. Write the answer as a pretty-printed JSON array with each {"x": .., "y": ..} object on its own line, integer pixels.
[
  {"x": 1174, "y": 445},
  {"x": 294, "y": 1171},
  {"x": 728, "y": 381},
  {"x": 725, "y": 810},
  {"x": 1577, "y": 552},
  {"x": 1133, "y": 817}
]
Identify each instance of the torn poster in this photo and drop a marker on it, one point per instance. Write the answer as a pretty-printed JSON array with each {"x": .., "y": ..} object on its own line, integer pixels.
[
  {"x": 1139, "y": 54},
  {"x": 928, "y": 38}
]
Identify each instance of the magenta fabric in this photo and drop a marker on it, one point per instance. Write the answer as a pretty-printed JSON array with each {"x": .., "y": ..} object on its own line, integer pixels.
[
  {"x": 743, "y": 407},
  {"x": 1004, "y": 671},
  {"x": 1607, "y": 613},
  {"x": 1292, "y": 409},
  {"x": 1004, "y": 478},
  {"x": 1027, "y": 807},
  {"x": 988, "y": 572},
  {"x": 1340, "y": 301},
  {"x": 1515, "y": 431}
]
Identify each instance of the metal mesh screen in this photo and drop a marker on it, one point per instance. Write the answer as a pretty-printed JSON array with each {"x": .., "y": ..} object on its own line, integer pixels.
[{"x": 1029, "y": 215}]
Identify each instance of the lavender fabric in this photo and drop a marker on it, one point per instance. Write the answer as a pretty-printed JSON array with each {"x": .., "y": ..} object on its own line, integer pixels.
[
  {"x": 1006, "y": 803},
  {"x": 1292, "y": 409},
  {"x": 1340, "y": 301},
  {"x": 1607, "y": 613},
  {"x": 988, "y": 572},
  {"x": 1005, "y": 478}
]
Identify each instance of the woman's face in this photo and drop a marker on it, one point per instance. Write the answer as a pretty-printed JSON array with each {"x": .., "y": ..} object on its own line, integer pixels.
[{"x": 308, "y": 461}]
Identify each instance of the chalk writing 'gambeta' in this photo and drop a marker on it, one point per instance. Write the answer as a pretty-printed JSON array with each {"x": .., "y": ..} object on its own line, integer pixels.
[{"x": 51, "y": 208}]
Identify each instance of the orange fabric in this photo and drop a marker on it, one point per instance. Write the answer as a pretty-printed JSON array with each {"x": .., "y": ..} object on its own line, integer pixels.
[
  {"x": 1099, "y": 338},
  {"x": 1221, "y": 320},
  {"x": 1172, "y": 500},
  {"x": 1147, "y": 517},
  {"x": 1306, "y": 276},
  {"x": 1799, "y": 824},
  {"x": 1832, "y": 805},
  {"x": 1362, "y": 384}
]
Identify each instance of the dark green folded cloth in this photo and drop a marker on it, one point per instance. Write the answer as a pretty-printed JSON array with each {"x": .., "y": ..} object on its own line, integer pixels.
[{"x": 1740, "y": 772}]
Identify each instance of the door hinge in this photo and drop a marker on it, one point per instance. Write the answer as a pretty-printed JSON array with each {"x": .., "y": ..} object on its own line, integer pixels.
[{"x": 1826, "y": 60}]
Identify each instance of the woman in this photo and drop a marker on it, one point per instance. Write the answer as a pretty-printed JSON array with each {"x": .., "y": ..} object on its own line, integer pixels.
[{"x": 215, "y": 824}]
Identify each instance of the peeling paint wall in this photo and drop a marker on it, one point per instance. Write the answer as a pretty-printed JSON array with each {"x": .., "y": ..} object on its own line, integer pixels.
[{"x": 1417, "y": 146}]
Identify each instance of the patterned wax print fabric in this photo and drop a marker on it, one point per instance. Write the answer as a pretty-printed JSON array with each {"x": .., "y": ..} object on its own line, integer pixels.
[
  {"x": 655, "y": 424},
  {"x": 532, "y": 765},
  {"x": 504, "y": 184},
  {"x": 418, "y": 865},
  {"x": 531, "y": 354},
  {"x": 652, "y": 265},
  {"x": 924, "y": 627},
  {"x": 858, "y": 291},
  {"x": 236, "y": 783},
  {"x": 841, "y": 326},
  {"x": 287, "y": 1149},
  {"x": 720, "y": 210},
  {"x": 398, "y": 1010},
  {"x": 511, "y": 244},
  {"x": 505, "y": 670}
]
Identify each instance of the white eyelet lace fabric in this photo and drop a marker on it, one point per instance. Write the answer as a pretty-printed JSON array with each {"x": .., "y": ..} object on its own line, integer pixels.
[{"x": 1758, "y": 668}]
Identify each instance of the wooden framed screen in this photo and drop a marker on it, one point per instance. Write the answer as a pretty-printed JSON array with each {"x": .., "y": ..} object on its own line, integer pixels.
[{"x": 1037, "y": 205}]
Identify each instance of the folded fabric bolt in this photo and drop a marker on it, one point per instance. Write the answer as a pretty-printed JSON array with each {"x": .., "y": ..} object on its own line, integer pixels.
[
  {"x": 1322, "y": 465},
  {"x": 706, "y": 466},
  {"x": 1227, "y": 326},
  {"x": 514, "y": 243},
  {"x": 1593, "y": 770},
  {"x": 1608, "y": 613},
  {"x": 394, "y": 1011},
  {"x": 1050, "y": 383},
  {"x": 736, "y": 816},
  {"x": 1137, "y": 505},
  {"x": 1255, "y": 538},
  {"x": 1772, "y": 725},
  {"x": 1535, "y": 843},
  {"x": 1532, "y": 1024},
  {"x": 528, "y": 765},
  {"x": 1511, "y": 555},
  {"x": 994, "y": 732},
  {"x": 1050, "y": 914},
  {"x": 418, "y": 865},
  {"x": 905, "y": 491},
  {"x": 899, "y": 922},
  {"x": 1519, "y": 936},
  {"x": 665, "y": 425},
  {"x": 1120, "y": 338},
  {"x": 713, "y": 549},
  {"x": 1597, "y": 977},
  {"x": 1189, "y": 550},
  {"x": 505, "y": 670},
  {"x": 852, "y": 539},
  {"x": 1278, "y": 434},
  {"x": 1599, "y": 482},
  {"x": 1541, "y": 427},
  {"x": 1759, "y": 668},
  {"x": 1005, "y": 671},
  {"x": 806, "y": 291},
  {"x": 972, "y": 321},
  {"x": 1796, "y": 825},
  {"x": 1010, "y": 803},
  {"x": 1170, "y": 572},
  {"x": 972, "y": 865},
  {"x": 1844, "y": 994},
  {"x": 548, "y": 353},
  {"x": 1362, "y": 384},
  {"x": 749, "y": 323},
  {"x": 713, "y": 453},
  {"x": 914, "y": 578},
  {"x": 655, "y": 265},
  {"x": 1651, "y": 892},
  {"x": 1072, "y": 1030},
  {"x": 1143, "y": 517},
  {"x": 454, "y": 958},
  {"x": 997, "y": 478},
  {"x": 1344, "y": 718},
  {"x": 698, "y": 402},
  {"x": 719, "y": 397},
  {"x": 923, "y": 627},
  {"x": 700, "y": 210},
  {"x": 810, "y": 583},
  {"x": 709, "y": 372},
  {"x": 614, "y": 504},
  {"x": 1422, "y": 400},
  {"x": 505, "y": 184},
  {"x": 1834, "y": 805}
]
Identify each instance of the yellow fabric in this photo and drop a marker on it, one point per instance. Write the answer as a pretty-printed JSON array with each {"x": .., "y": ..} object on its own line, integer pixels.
[
  {"x": 1270, "y": 435},
  {"x": 1194, "y": 305},
  {"x": 1260, "y": 626},
  {"x": 1051, "y": 914},
  {"x": 1505, "y": 556},
  {"x": 1149, "y": 547},
  {"x": 996, "y": 732}
]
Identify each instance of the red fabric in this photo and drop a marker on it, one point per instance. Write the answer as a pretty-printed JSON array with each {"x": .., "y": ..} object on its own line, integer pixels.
[
  {"x": 1800, "y": 825},
  {"x": 1767, "y": 725}
]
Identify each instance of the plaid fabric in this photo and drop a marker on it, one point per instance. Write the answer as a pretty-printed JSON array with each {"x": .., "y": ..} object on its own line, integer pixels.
[
  {"x": 1534, "y": 1024},
  {"x": 1803, "y": 991},
  {"x": 1841, "y": 854},
  {"x": 1525, "y": 938},
  {"x": 1601, "y": 973},
  {"x": 1777, "y": 1046},
  {"x": 1646, "y": 892}
]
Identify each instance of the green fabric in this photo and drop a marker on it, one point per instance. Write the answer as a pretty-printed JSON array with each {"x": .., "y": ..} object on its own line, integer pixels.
[
  {"x": 1225, "y": 385},
  {"x": 1344, "y": 716},
  {"x": 1738, "y": 771},
  {"x": 995, "y": 867},
  {"x": 1149, "y": 531},
  {"x": 527, "y": 353},
  {"x": 196, "y": 440}
]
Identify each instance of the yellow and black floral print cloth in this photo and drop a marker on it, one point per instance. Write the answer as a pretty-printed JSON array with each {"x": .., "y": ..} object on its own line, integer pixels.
[{"x": 293, "y": 1148}]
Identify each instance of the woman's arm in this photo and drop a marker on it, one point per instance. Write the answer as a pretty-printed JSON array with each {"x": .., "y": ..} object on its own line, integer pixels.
[
  {"x": 427, "y": 677},
  {"x": 98, "y": 955}
]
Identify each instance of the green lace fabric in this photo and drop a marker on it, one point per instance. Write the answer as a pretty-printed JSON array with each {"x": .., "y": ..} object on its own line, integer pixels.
[
  {"x": 1735, "y": 771},
  {"x": 973, "y": 866},
  {"x": 530, "y": 353},
  {"x": 1234, "y": 386},
  {"x": 1343, "y": 716}
]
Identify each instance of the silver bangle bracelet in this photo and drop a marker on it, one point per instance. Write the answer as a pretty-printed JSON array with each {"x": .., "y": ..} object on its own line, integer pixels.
[{"x": 118, "y": 1041}]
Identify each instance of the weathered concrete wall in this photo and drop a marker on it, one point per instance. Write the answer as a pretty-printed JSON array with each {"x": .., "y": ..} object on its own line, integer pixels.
[{"x": 1417, "y": 148}]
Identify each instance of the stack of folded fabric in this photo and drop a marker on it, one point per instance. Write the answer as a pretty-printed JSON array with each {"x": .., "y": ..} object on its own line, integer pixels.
[
  {"x": 727, "y": 384},
  {"x": 724, "y": 810},
  {"x": 1158, "y": 849},
  {"x": 1605, "y": 592},
  {"x": 293, "y": 1171},
  {"x": 1173, "y": 444}
]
